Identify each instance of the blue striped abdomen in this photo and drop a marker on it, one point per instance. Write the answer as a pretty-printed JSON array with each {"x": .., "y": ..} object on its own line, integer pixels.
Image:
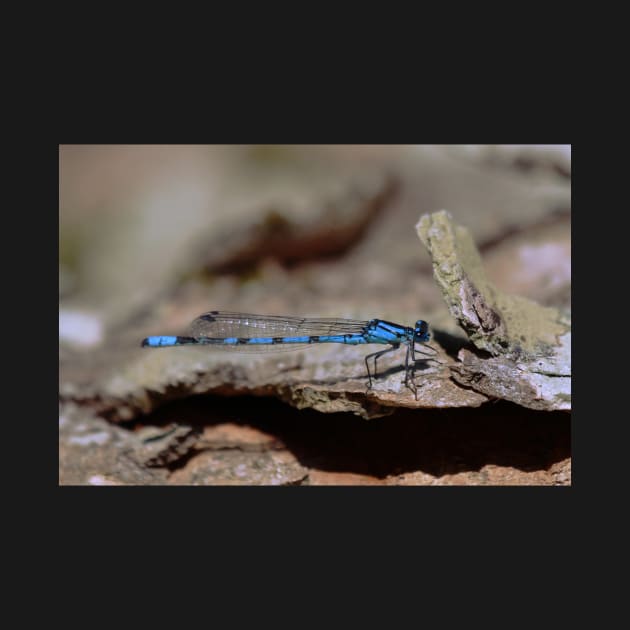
[{"x": 302, "y": 339}]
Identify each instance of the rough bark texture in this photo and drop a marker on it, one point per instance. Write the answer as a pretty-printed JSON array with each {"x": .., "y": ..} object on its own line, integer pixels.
[
  {"x": 322, "y": 232},
  {"x": 530, "y": 344}
]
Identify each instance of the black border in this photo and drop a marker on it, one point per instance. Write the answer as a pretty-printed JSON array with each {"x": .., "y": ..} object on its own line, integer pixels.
[{"x": 304, "y": 529}]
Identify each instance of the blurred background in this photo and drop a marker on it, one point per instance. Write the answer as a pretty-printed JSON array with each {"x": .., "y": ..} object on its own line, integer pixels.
[{"x": 150, "y": 236}]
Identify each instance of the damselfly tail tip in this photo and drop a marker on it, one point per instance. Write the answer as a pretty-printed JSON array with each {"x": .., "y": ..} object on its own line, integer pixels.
[{"x": 161, "y": 340}]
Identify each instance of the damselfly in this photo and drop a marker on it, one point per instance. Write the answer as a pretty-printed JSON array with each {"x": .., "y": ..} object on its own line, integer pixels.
[{"x": 255, "y": 333}]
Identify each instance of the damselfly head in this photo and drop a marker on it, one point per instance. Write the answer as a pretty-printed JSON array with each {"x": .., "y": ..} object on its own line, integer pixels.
[{"x": 421, "y": 332}]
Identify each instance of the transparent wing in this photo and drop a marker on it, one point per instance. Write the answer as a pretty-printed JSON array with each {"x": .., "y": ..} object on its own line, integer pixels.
[
  {"x": 219, "y": 324},
  {"x": 259, "y": 348}
]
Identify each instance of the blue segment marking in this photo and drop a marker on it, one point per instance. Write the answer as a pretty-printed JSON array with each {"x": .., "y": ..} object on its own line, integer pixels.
[
  {"x": 160, "y": 341},
  {"x": 350, "y": 340},
  {"x": 238, "y": 331}
]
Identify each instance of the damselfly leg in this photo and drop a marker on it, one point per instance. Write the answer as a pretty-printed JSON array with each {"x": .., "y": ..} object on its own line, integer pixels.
[{"x": 376, "y": 355}]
